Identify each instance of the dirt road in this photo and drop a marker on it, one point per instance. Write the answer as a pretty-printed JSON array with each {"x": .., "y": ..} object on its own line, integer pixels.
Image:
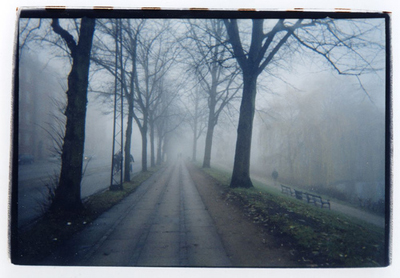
[{"x": 175, "y": 218}]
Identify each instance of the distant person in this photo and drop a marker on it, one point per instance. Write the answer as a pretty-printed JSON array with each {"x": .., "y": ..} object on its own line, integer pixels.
[
  {"x": 275, "y": 176},
  {"x": 131, "y": 163},
  {"x": 117, "y": 161}
]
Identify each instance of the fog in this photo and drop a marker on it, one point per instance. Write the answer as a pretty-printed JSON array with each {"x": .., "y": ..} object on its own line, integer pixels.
[{"x": 321, "y": 131}]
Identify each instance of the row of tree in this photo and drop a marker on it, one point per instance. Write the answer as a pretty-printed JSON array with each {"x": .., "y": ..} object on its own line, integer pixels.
[{"x": 157, "y": 63}]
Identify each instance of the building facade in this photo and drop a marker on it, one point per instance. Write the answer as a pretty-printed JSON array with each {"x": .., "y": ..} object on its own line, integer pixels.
[{"x": 38, "y": 92}]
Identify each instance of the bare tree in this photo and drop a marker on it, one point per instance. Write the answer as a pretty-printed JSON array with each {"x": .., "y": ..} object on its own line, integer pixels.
[
  {"x": 268, "y": 39},
  {"x": 155, "y": 57},
  {"x": 104, "y": 57},
  {"x": 144, "y": 64},
  {"x": 169, "y": 121},
  {"x": 162, "y": 112},
  {"x": 216, "y": 76},
  {"x": 196, "y": 117},
  {"x": 68, "y": 193},
  {"x": 131, "y": 45}
]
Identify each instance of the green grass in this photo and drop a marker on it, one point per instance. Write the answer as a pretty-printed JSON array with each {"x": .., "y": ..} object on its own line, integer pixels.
[
  {"x": 52, "y": 230},
  {"x": 321, "y": 237},
  {"x": 99, "y": 203}
]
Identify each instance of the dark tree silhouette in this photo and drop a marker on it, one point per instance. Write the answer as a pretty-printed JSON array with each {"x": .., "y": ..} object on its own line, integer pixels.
[
  {"x": 68, "y": 193},
  {"x": 348, "y": 49}
]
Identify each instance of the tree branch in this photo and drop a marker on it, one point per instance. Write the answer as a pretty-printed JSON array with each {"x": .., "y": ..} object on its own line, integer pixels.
[
  {"x": 234, "y": 39},
  {"x": 290, "y": 31},
  {"x": 67, "y": 37}
]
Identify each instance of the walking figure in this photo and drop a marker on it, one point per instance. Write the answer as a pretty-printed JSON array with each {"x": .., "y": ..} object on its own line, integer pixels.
[
  {"x": 275, "y": 176},
  {"x": 131, "y": 163},
  {"x": 117, "y": 162}
]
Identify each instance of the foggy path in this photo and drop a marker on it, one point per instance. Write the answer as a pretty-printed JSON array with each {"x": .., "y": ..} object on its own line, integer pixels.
[{"x": 164, "y": 223}]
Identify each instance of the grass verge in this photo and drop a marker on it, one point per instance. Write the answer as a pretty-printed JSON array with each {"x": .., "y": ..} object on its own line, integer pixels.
[
  {"x": 52, "y": 230},
  {"x": 320, "y": 237}
]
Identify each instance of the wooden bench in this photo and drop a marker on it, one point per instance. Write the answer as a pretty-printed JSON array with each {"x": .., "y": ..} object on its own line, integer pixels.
[
  {"x": 298, "y": 194},
  {"x": 311, "y": 198},
  {"x": 287, "y": 190},
  {"x": 317, "y": 200}
]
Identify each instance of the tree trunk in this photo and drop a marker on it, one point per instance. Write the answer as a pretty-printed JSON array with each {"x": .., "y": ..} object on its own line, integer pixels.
[
  {"x": 210, "y": 129},
  {"x": 130, "y": 97},
  {"x": 209, "y": 137},
  {"x": 159, "y": 149},
  {"x": 144, "y": 146},
  {"x": 128, "y": 139},
  {"x": 241, "y": 167},
  {"x": 194, "y": 150},
  {"x": 152, "y": 146},
  {"x": 68, "y": 193},
  {"x": 164, "y": 150}
]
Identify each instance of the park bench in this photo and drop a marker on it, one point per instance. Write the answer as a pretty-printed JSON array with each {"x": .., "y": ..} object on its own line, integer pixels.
[
  {"x": 311, "y": 198},
  {"x": 298, "y": 194},
  {"x": 287, "y": 190},
  {"x": 317, "y": 200}
]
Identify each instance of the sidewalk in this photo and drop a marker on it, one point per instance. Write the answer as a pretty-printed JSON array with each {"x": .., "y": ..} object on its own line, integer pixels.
[{"x": 82, "y": 245}]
